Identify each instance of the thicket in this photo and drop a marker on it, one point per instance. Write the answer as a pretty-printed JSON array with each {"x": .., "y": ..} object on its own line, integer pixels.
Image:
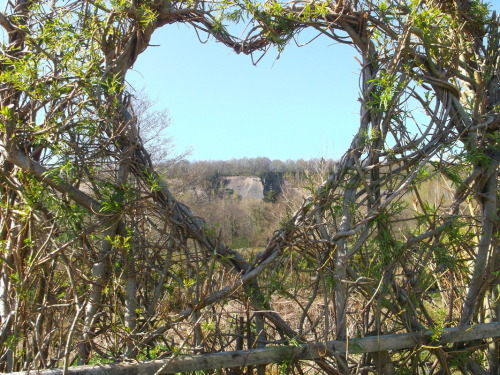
[{"x": 100, "y": 262}]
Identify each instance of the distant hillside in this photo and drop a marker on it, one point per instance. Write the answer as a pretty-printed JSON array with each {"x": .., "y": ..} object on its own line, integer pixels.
[{"x": 247, "y": 178}]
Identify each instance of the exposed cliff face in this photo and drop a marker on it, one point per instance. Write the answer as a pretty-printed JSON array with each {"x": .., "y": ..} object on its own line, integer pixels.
[
  {"x": 268, "y": 187},
  {"x": 244, "y": 187}
]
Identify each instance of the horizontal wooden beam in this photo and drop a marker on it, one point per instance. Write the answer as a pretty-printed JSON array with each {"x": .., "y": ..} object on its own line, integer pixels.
[{"x": 279, "y": 354}]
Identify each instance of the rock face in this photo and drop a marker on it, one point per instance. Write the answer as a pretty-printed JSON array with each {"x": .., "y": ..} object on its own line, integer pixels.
[{"x": 244, "y": 187}]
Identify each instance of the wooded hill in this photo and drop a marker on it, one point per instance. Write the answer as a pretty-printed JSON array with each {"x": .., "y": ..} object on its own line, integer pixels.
[
  {"x": 209, "y": 175},
  {"x": 242, "y": 220}
]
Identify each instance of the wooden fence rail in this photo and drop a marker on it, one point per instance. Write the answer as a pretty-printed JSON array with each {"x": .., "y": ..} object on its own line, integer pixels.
[{"x": 279, "y": 354}]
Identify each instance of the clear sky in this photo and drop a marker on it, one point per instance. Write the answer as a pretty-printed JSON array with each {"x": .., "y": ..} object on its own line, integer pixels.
[{"x": 302, "y": 105}]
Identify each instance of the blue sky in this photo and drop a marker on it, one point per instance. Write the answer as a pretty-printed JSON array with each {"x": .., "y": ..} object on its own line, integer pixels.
[{"x": 302, "y": 105}]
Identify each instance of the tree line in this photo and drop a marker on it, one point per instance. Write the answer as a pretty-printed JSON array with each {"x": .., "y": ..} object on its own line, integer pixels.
[{"x": 252, "y": 166}]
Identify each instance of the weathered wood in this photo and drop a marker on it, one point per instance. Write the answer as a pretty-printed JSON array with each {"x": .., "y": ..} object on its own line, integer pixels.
[{"x": 279, "y": 354}]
